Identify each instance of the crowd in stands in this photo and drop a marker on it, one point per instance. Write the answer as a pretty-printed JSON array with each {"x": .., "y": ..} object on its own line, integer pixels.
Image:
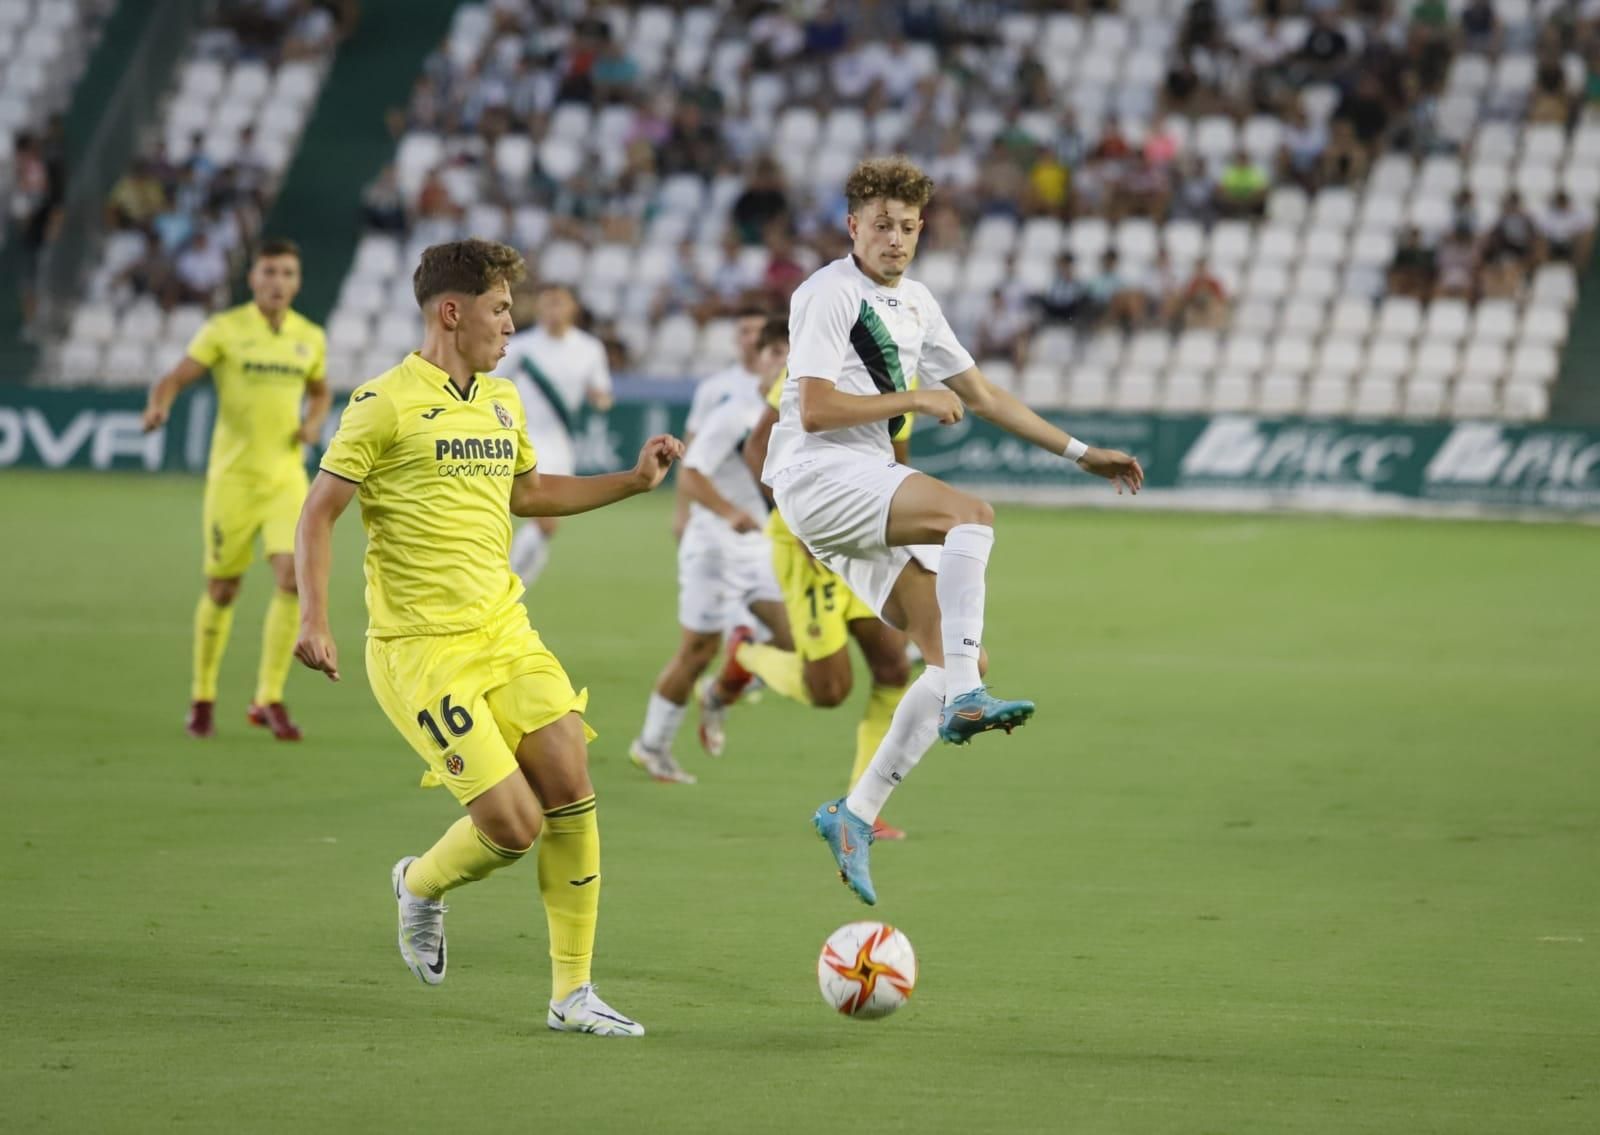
[
  {"x": 188, "y": 218},
  {"x": 936, "y": 66}
]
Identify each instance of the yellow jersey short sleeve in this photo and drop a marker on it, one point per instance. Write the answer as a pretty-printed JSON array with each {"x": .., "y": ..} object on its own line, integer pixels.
[
  {"x": 260, "y": 373},
  {"x": 527, "y": 456},
  {"x": 435, "y": 468}
]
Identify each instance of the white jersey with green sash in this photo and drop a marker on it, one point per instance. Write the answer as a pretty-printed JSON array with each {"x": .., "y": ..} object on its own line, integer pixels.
[{"x": 555, "y": 374}]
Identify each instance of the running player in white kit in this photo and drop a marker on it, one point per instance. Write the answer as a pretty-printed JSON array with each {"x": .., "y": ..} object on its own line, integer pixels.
[
  {"x": 724, "y": 560},
  {"x": 913, "y": 548},
  {"x": 557, "y": 368},
  {"x": 733, "y": 381}
]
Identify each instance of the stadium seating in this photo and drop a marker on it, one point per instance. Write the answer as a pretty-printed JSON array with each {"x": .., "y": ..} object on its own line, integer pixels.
[
  {"x": 44, "y": 45},
  {"x": 229, "y": 116}
]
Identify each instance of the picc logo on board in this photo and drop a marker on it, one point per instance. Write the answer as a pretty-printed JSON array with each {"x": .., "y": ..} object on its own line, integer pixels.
[
  {"x": 1483, "y": 454},
  {"x": 1247, "y": 449}
]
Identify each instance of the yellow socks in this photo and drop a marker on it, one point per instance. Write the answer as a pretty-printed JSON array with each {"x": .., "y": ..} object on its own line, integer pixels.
[
  {"x": 278, "y": 633},
  {"x": 569, "y": 883},
  {"x": 462, "y": 855},
  {"x": 781, "y": 670},
  {"x": 874, "y": 724},
  {"x": 211, "y": 626}
]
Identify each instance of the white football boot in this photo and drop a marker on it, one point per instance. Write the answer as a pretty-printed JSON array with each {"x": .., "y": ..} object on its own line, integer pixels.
[
  {"x": 659, "y": 763},
  {"x": 421, "y": 928},
  {"x": 582, "y": 1011}
]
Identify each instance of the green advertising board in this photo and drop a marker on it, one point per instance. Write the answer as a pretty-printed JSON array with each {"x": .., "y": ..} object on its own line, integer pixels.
[{"x": 1224, "y": 461}]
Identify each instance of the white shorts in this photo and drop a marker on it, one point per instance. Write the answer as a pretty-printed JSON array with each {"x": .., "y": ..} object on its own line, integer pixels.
[
  {"x": 717, "y": 582},
  {"x": 840, "y": 509},
  {"x": 553, "y": 447}
]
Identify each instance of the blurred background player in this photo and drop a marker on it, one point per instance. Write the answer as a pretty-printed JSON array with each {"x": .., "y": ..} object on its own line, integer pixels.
[
  {"x": 739, "y": 379},
  {"x": 824, "y": 614},
  {"x": 913, "y": 548},
  {"x": 557, "y": 367},
  {"x": 439, "y": 452},
  {"x": 724, "y": 561},
  {"x": 267, "y": 364}
]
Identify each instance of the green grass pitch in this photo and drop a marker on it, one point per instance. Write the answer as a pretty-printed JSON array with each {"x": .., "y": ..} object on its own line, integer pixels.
[{"x": 1302, "y": 839}]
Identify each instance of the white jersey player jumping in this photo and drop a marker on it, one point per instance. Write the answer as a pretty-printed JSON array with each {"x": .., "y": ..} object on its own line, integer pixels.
[
  {"x": 912, "y": 547},
  {"x": 557, "y": 368},
  {"x": 725, "y": 575}
]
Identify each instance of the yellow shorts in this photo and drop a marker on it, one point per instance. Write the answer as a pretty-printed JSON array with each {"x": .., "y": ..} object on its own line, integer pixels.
[
  {"x": 821, "y": 606},
  {"x": 465, "y": 701},
  {"x": 235, "y": 512}
]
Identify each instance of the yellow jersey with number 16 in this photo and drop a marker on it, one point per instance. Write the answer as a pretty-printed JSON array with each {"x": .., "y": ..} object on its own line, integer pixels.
[
  {"x": 435, "y": 468},
  {"x": 260, "y": 376}
]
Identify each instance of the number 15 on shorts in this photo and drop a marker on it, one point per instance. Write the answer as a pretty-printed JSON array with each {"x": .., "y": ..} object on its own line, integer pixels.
[{"x": 456, "y": 719}]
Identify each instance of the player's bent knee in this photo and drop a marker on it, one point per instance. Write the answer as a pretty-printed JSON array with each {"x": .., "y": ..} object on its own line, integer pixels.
[
  {"x": 975, "y": 511},
  {"x": 892, "y": 671},
  {"x": 223, "y": 591},
  {"x": 828, "y": 687}
]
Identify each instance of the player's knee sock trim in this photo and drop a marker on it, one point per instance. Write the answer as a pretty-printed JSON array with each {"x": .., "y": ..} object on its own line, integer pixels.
[
  {"x": 782, "y": 670},
  {"x": 462, "y": 855},
  {"x": 874, "y": 725},
  {"x": 569, "y": 884},
  {"x": 278, "y": 633},
  {"x": 960, "y": 588},
  {"x": 212, "y": 625},
  {"x": 911, "y": 733}
]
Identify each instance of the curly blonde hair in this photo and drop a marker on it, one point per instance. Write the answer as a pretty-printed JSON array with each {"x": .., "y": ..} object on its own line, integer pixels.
[
  {"x": 896, "y": 179},
  {"x": 471, "y": 267}
]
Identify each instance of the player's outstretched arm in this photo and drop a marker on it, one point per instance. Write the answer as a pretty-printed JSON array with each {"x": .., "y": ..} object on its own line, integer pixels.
[
  {"x": 755, "y": 448},
  {"x": 696, "y": 486},
  {"x": 824, "y": 407},
  {"x": 1003, "y": 409},
  {"x": 536, "y": 495},
  {"x": 313, "y": 562},
  {"x": 166, "y": 389},
  {"x": 319, "y": 400}
]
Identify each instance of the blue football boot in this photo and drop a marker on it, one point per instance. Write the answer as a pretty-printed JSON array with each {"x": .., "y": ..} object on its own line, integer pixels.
[
  {"x": 848, "y": 836},
  {"x": 977, "y": 711}
]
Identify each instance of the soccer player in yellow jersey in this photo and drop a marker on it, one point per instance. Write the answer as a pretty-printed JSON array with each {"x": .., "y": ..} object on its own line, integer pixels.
[
  {"x": 824, "y": 614},
  {"x": 267, "y": 361},
  {"x": 437, "y": 450}
]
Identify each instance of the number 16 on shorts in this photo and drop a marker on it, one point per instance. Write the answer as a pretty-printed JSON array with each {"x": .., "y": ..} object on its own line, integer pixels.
[{"x": 455, "y": 718}]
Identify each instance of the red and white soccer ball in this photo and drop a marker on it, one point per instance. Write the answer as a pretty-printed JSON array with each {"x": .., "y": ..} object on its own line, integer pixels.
[{"x": 867, "y": 970}]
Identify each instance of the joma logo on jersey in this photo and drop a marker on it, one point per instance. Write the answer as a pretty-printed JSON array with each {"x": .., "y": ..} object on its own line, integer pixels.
[{"x": 474, "y": 449}]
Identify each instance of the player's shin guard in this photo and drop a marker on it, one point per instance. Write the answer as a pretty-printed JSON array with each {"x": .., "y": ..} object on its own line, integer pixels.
[
  {"x": 781, "y": 670},
  {"x": 277, "y": 646},
  {"x": 960, "y": 589},
  {"x": 462, "y": 855},
  {"x": 911, "y": 733},
  {"x": 874, "y": 725},
  {"x": 530, "y": 551},
  {"x": 569, "y": 883},
  {"x": 212, "y": 622}
]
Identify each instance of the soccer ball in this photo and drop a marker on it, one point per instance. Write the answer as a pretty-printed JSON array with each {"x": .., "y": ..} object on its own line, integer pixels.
[{"x": 867, "y": 970}]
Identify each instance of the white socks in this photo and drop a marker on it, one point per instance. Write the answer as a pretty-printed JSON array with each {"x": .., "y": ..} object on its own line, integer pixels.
[
  {"x": 911, "y": 734},
  {"x": 530, "y": 551},
  {"x": 661, "y": 721},
  {"x": 960, "y": 589}
]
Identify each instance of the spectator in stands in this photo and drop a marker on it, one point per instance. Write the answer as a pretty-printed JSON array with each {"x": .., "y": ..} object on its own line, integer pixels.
[
  {"x": 200, "y": 269},
  {"x": 1366, "y": 110},
  {"x": 1464, "y": 209},
  {"x": 1457, "y": 265},
  {"x": 1202, "y": 302},
  {"x": 1116, "y": 299},
  {"x": 1549, "y": 101},
  {"x": 434, "y": 201},
  {"x": 1325, "y": 50},
  {"x": 1242, "y": 187},
  {"x": 1001, "y": 182},
  {"x": 1567, "y": 229},
  {"x": 1162, "y": 286},
  {"x": 614, "y": 73},
  {"x": 1003, "y": 330},
  {"x": 1344, "y": 159},
  {"x": 1193, "y": 191},
  {"x": 1071, "y": 144},
  {"x": 382, "y": 205},
  {"x": 954, "y": 167},
  {"x": 1304, "y": 142},
  {"x": 1049, "y": 185},
  {"x": 1411, "y": 270},
  {"x": 763, "y": 201},
  {"x": 37, "y": 188},
  {"x": 1480, "y": 27},
  {"x": 695, "y": 144},
  {"x": 1181, "y": 90},
  {"x": 137, "y": 197},
  {"x": 1146, "y": 190},
  {"x": 787, "y": 264},
  {"x": 1161, "y": 144},
  {"x": 1067, "y": 299},
  {"x": 312, "y": 32},
  {"x": 1510, "y": 249}
]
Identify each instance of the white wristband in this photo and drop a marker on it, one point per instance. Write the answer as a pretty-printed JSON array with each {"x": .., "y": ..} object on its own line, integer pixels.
[{"x": 1075, "y": 449}]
